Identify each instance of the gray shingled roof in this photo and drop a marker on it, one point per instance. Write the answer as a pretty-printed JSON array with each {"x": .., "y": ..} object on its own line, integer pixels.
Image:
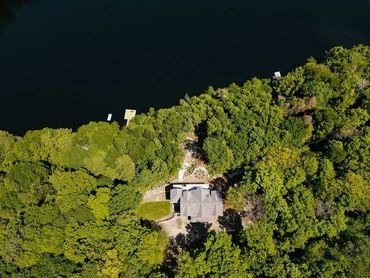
[{"x": 200, "y": 204}]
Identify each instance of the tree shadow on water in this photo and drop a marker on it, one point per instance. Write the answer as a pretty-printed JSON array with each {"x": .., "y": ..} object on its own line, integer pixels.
[{"x": 8, "y": 9}]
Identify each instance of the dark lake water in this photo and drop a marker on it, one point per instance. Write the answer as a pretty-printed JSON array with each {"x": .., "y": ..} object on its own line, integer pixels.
[{"x": 67, "y": 62}]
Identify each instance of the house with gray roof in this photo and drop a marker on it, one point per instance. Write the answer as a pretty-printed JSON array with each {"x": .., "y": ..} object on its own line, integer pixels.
[{"x": 196, "y": 202}]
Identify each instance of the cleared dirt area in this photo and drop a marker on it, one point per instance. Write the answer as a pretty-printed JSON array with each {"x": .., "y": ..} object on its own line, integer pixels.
[
  {"x": 199, "y": 175},
  {"x": 178, "y": 225},
  {"x": 175, "y": 226},
  {"x": 155, "y": 194}
]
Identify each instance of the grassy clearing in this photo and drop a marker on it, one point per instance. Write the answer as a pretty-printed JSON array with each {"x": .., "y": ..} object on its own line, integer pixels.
[{"x": 154, "y": 210}]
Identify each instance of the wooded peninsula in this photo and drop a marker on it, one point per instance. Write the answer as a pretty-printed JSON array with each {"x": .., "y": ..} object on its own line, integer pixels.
[{"x": 298, "y": 208}]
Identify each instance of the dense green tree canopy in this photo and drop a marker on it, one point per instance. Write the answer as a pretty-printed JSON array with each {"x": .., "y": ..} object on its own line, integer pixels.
[{"x": 68, "y": 198}]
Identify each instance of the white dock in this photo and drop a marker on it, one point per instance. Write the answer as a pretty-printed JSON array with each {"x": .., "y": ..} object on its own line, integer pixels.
[
  {"x": 277, "y": 75},
  {"x": 129, "y": 115}
]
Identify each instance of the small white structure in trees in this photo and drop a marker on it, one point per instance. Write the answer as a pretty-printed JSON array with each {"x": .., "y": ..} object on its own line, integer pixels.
[
  {"x": 129, "y": 115},
  {"x": 277, "y": 75},
  {"x": 109, "y": 118}
]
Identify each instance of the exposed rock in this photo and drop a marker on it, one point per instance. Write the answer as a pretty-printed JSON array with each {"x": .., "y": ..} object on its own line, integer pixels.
[
  {"x": 301, "y": 106},
  {"x": 324, "y": 210},
  {"x": 346, "y": 132},
  {"x": 307, "y": 119},
  {"x": 362, "y": 84},
  {"x": 286, "y": 106},
  {"x": 311, "y": 102}
]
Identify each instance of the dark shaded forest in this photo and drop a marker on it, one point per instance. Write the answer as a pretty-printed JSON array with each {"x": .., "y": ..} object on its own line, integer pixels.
[{"x": 68, "y": 199}]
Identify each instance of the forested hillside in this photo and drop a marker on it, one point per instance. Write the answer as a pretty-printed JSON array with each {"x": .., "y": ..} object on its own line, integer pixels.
[{"x": 68, "y": 199}]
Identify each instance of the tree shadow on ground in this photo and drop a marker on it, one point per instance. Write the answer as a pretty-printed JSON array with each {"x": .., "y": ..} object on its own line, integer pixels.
[
  {"x": 167, "y": 189},
  {"x": 222, "y": 185},
  {"x": 195, "y": 237},
  {"x": 171, "y": 255},
  {"x": 196, "y": 234},
  {"x": 230, "y": 221},
  {"x": 150, "y": 224},
  {"x": 201, "y": 132},
  {"x": 235, "y": 175}
]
